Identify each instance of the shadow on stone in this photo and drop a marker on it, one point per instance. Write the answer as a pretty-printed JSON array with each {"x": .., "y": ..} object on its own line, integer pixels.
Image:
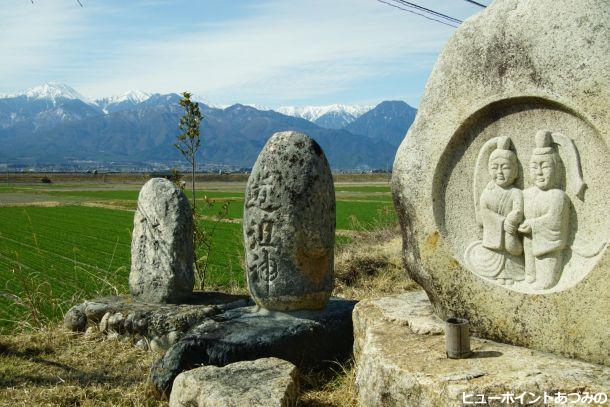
[
  {"x": 212, "y": 298},
  {"x": 485, "y": 354}
]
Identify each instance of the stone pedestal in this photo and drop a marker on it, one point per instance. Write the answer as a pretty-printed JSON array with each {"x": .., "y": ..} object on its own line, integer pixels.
[
  {"x": 400, "y": 358},
  {"x": 306, "y": 338},
  {"x": 150, "y": 325}
]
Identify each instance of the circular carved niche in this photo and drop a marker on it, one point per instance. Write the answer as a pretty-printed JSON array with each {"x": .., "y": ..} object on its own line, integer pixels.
[{"x": 563, "y": 227}]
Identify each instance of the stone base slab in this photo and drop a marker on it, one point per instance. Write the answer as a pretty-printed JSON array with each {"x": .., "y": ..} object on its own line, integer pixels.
[
  {"x": 150, "y": 325},
  {"x": 398, "y": 367},
  {"x": 306, "y": 338}
]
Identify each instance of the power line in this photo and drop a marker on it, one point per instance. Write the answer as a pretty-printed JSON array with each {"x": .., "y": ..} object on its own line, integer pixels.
[
  {"x": 78, "y": 1},
  {"x": 478, "y": 4},
  {"x": 419, "y": 14},
  {"x": 427, "y": 10}
]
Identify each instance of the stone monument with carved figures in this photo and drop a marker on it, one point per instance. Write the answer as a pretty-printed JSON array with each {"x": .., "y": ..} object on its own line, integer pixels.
[
  {"x": 501, "y": 188},
  {"x": 501, "y": 184}
]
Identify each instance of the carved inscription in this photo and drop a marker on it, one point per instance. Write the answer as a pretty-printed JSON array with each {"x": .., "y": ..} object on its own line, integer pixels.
[
  {"x": 268, "y": 269},
  {"x": 263, "y": 253},
  {"x": 288, "y": 223},
  {"x": 265, "y": 231},
  {"x": 260, "y": 193},
  {"x": 263, "y": 250},
  {"x": 525, "y": 233}
]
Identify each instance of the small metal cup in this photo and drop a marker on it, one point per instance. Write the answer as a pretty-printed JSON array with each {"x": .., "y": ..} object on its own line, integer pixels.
[{"x": 457, "y": 338}]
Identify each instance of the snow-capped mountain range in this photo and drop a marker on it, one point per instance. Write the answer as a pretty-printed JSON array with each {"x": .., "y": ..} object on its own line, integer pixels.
[
  {"x": 313, "y": 113},
  {"x": 135, "y": 96},
  {"x": 50, "y": 91},
  {"x": 127, "y": 99},
  {"x": 53, "y": 123},
  {"x": 334, "y": 116},
  {"x": 330, "y": 116}
]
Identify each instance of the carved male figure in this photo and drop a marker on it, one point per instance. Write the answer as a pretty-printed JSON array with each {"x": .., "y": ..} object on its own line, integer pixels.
[
  {"x": 547, "y": 216},
  {"x": 500, "y": 211}
]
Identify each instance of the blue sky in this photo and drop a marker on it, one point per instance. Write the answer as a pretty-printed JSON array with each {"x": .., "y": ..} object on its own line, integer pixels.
[{"x": 267, "y": 52}]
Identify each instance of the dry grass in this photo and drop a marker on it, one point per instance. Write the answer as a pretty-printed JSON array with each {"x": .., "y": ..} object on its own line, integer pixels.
[
  {"x": 233, "y": 288},
  {"x": 333, "y": 388},
  {"x": 51, "y": 367},
  {"x": 371, "y": 266}
]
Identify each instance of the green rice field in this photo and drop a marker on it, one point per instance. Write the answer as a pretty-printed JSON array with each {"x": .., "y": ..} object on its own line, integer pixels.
[{"x": 61, "y": 244}]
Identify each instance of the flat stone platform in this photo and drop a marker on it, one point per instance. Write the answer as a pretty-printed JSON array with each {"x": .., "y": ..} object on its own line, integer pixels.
[
  {"x": 400, "y": 358},
  {"x": 149, "y": 324}
]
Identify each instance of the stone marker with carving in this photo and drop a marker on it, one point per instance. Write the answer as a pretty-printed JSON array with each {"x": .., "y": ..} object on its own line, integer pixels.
[
  {"x": 289, "y": 225},
  {"x": 501, "y": 183},
  {"x": 162, "y": 244}
]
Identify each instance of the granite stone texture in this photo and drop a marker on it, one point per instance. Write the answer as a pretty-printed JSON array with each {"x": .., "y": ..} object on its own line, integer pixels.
[
  {"x": 501, "y": 184},
  {"x": 267, "y": 382},
  {"x": 289, "y": 225},
  {"x": 162, "y": 244},
  {"x": 398, "y": 367}
]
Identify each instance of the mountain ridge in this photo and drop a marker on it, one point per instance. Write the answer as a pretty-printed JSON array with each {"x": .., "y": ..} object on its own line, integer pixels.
[{"x": 143, "y": 128}]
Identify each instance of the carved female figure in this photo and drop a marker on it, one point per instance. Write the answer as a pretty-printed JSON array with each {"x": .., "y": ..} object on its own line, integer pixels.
[
  {"x": 499, "y": 211},
  {"x": 547, "y": 216}
]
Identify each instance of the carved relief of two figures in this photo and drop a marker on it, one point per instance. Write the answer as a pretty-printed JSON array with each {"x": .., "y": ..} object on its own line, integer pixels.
[{"x": 525, "y": 233}]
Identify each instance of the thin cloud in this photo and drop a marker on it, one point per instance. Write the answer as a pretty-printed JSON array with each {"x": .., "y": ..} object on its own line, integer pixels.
[
  {"x": 307, "y": 48},
  {"x": 32, "y": 36},
  {"x": 271, "y": 52}
]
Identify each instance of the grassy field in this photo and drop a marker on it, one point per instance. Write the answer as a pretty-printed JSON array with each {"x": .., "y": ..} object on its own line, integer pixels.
[
  {"x": 62, "y": 243},
  {"x": 54, "y": 253}
]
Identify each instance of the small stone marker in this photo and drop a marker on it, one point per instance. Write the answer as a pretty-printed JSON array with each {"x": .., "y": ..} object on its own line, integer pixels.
[
  {"x": 289, "y": 225},
  {"x": 162, "y": 244},
  {"x": 265, "y": 382},
  {"x": 501, "y": 183}
]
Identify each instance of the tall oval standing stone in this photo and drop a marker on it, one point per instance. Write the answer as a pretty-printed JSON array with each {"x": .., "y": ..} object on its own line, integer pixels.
[
  {"x": 162, "y": 244},
  {"x": 289, "y": 225}
]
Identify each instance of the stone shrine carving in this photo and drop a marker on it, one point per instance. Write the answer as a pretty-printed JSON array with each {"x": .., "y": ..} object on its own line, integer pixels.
[
  {"x": 262, "y": 265},
  {"x": 162, "y": 249},
  {"x": 547, "y": 216},
  {"x": 525, "y": 233},
  {"x": 500, "y": 212},
  {"x": 513, "y": 70},
  {"x": 289, "y": 225}
]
